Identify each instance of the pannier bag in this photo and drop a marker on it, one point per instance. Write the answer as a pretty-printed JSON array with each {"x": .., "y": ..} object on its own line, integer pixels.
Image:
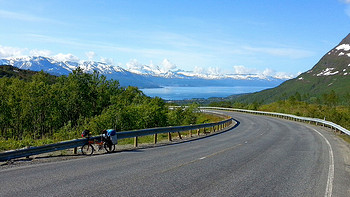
[
  {"x": 112, "y": 134},
  {"x": 114, "y": 139}
]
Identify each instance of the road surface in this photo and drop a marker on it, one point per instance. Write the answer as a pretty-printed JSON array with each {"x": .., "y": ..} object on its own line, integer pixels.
[{"x": 262, "y": 156}]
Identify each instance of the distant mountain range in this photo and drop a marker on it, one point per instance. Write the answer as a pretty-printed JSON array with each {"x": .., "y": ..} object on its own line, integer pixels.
[
  {"x": 142, "y": 76},
  {"x": 332, "y": 72}
]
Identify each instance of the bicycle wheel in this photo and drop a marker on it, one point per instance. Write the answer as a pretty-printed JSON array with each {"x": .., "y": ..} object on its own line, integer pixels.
[
  {"x": 87, "y": 149},
  {"x": 109, "y": 147}
]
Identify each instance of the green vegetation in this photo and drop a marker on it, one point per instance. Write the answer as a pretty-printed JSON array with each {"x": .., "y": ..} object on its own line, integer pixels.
[
  {"x": 26, "y": 75},
  {"x": 44, "y": 109},
  {"x": 329, "y": 106}
]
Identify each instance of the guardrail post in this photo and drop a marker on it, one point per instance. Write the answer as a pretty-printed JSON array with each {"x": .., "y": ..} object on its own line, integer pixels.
[
  {"x": 75, "y": 150},
  {"x": 169, "y": 137},
  {"x": 135, "y": 142},
  {"x": 197, "y": 131},
  {"x": 179, "y": 135},
  {"x": 190, "y": 133},
  {"x": 155, "y": 139}
]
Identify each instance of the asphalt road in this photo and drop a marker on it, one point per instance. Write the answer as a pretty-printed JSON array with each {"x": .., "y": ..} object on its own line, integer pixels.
[{"x": 262, "y": 156}]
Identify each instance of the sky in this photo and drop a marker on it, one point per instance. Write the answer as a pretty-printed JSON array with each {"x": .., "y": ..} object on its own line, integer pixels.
[{"x": 276, "y": 37}]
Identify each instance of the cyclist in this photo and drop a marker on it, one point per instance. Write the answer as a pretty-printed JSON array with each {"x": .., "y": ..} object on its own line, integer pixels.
[{"x": 108, "y": 136}]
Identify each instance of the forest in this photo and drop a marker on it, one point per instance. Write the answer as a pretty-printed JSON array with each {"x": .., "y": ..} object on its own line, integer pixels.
[{"x": 59, "y": 108}]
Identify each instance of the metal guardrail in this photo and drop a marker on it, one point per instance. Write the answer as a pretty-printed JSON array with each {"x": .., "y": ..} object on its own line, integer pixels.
[
  {"x": 290, "y": 117},
  {"x": 6, "y": 156}
]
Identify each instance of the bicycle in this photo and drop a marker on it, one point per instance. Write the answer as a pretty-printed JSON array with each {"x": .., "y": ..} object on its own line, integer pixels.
[{"x": 89, "y": 147}]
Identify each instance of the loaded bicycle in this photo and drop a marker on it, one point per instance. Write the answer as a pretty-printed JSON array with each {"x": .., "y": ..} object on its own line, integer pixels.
[{"x": 95, "y": 144}]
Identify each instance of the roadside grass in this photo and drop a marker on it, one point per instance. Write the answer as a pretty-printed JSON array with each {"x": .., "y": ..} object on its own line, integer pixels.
[
  {"x": 345, "y": 137},
  {"x": 12, "y": 144}
]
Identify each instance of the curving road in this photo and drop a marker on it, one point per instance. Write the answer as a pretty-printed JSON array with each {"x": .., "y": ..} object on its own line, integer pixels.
[{"x": 262, "y": 156}]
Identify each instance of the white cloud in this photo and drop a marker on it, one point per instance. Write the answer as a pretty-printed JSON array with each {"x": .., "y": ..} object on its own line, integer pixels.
[
  {"x": 214, "y": 71},
  {"x": 345, "y": 1},
  {"x": 13, "y": 52},
  {"x": 7, "y": 52},
  {"x": 35, "y": 52},
  {"x": 107, "y": 60},
  {"x": 239, "y": 69},
  {"x": 90, "y": 55},
  {"x": 133, "y": 65},
  {"x": 284, "y": 75},
  {"x": 65, "y": 57},
  {"x": 198, "y": 70},
  {"x": 166, "y": 65},
  {"x": 267, "y": 72}
]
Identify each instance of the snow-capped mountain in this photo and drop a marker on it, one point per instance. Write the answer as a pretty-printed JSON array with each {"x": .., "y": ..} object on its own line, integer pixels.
[
  {"x": 168, "y": 70},
  {"x": 331, "y": 73},
  {"x": 55, "y": 67},
  {"x": 38, "y": 63},
  {"x": 335, "y": 62},
  {"x": 142, "y": 76}
]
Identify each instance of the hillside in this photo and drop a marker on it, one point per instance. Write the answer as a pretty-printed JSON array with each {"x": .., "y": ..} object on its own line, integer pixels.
[
  {"x": 332, "y": 72},
  {"x": 10, "y": 71}
]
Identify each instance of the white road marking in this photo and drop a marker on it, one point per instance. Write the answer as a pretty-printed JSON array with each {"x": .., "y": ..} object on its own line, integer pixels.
[{"x": 329, "y": 186}]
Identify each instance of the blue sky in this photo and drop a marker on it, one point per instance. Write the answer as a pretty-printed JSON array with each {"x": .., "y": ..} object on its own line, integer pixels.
[{"x": 279, "y": 37}]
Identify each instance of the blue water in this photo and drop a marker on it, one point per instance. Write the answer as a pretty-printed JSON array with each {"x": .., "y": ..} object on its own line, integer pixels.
[{"x": 181, "y": 93}]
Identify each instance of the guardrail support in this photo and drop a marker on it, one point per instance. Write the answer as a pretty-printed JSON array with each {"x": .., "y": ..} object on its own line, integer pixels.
[
  {"x": 179, "y": 135},
  {"x": 135, "y": 141},
  {"x": 155, "y": 138},
  {"x": 169, "y": 137}
]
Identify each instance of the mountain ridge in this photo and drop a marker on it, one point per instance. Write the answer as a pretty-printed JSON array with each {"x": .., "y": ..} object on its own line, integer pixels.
[
  {"x": 330, "y": 73},
  {"x": 142, "y": 76}
]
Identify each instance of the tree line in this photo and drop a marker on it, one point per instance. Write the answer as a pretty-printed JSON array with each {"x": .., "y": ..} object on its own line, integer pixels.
[
  {"x": 329, "y": 106},
  {"x": 61, "y": 108}
]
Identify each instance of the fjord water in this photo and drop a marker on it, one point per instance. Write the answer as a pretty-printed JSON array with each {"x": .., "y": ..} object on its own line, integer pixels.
[{"x": 181, "y": 93}]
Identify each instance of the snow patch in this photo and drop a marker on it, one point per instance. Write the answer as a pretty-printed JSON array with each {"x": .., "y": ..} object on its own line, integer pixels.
[
  {"x": 345, "y": 47},
  {"x": 327, "y": 72}
]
